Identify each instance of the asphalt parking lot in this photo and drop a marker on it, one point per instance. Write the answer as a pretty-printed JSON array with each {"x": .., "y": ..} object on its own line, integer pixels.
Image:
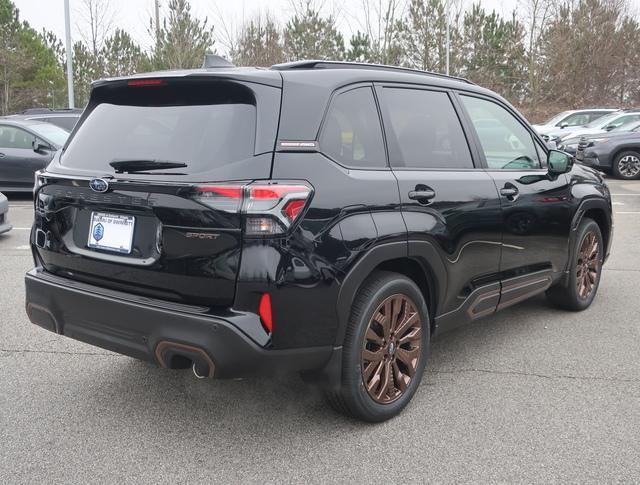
[{"x": 532, "y": 394}]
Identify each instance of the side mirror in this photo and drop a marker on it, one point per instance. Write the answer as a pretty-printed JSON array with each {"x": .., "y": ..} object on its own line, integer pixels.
[
  {"x": 39, "y": 146},
  {"x": 559, "y": 162},
  {"x": 564, "y": 124},
  {"x": 609, "y": 127}
]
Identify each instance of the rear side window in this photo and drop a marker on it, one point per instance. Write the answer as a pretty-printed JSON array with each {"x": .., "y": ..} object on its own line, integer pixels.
[
  {"x": 11, "y": 137},
  {"x": 352, "y": 134},
  {"x": 506, "y": 143},
  {"x": 621, "y": 121},
  {"x": 203, "y": 125},
  {"x": 427, "y": 130}
]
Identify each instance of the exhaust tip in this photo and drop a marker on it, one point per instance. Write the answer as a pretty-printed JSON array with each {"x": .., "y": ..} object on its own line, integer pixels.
[
  {"x": 173, "y": 355},
  {"x": 200, "y": 371}
]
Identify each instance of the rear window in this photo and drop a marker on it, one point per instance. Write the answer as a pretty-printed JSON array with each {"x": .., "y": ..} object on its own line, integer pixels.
[{"x": 203, "y": 125}]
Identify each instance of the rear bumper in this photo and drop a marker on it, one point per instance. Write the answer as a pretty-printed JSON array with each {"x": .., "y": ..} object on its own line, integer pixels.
[{"x": 141, "y": 329}]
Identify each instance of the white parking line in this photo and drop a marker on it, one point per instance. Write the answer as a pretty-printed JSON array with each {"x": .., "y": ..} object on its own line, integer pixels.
[
  {"x": 627, "y": 212},
  {"x": 617, "y": 203},
  {"x": 21, "y": 228},
  {"x": 618, "y": 195}
]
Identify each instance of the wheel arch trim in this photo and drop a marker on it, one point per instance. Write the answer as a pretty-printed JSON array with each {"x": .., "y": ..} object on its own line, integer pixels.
[
  {"x": 585, "y": 206},
  {"x": 422, "y": 252}
]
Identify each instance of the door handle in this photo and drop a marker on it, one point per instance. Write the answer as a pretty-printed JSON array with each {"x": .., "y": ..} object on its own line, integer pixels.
[
  {"x": 422, "y": 194},
  {"x": 510, "y": 192},
  {"x": 1, "y": 155}
]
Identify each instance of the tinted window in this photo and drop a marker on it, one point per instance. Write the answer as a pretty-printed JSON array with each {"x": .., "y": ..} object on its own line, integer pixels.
[
  {"x": 506, "y": 143},
  {"x": 427, "y": 130},
  {"x": 11, "y": 137},
  {"x": 205, "y": 127},
  {"x": 352, "y": 134}
]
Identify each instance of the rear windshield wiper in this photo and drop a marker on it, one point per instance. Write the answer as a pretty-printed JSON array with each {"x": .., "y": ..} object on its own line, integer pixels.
[{"x": 134, "y": 166}]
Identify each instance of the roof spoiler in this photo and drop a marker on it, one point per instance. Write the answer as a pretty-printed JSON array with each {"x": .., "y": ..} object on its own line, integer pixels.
[{"x": 215, "y": 61}]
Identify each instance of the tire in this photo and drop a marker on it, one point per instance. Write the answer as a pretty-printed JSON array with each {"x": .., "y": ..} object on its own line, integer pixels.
[
  {"x": 573, "y": 295},
  {"x": 626, "y": 165},
  {"x": 381, "y": 294}
]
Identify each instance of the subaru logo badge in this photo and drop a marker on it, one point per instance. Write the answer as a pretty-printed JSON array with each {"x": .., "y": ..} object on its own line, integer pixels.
[{"x": 99, "y": 185}]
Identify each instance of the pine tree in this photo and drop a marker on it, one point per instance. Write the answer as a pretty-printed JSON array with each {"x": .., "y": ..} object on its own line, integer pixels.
[
  {"x": 122, "y": 56},
  {"x": 183, "y": 39},
  {"x": 260, "y": 44},
  {"x": 310, "y": 36}
]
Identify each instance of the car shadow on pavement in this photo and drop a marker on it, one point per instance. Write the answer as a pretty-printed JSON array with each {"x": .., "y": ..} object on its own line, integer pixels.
[{"x": 285, "y": 404}]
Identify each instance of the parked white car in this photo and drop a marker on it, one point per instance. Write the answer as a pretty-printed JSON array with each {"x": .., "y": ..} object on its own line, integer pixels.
[{"x": 571, "y": 118}]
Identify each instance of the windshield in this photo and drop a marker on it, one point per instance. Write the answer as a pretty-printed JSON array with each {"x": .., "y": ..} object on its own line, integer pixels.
[
  {"x": 202, "y": 136},
  {"x": 557, "y": 118},
  {"x": 51, "y": 132},
  {"x": 602, "y": 121}
]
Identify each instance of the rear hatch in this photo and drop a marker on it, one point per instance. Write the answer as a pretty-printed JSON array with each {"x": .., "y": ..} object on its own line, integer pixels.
[{"x": 146, "y": 196}]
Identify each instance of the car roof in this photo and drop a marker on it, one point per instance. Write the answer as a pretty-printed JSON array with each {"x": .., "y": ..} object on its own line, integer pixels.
[
  {"x": 36, "y": 118},
  {"x": 59, "y": 111},
  {"x": 339, "y": 72},
  {"x": 14, "y": 120},
  {"x": 308, "y": 86}
]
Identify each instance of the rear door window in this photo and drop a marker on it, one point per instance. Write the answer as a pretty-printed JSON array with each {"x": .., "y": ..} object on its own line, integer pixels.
[
  {"x": 426, "y": 130},
  {"x": 11, "y": 137},
  {"x": 352, "y": 134}
]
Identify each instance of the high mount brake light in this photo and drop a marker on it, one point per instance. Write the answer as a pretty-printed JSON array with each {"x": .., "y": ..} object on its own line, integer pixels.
[
  {"x": 145, "y": 82},
  {"x": 269, "y": 208}
]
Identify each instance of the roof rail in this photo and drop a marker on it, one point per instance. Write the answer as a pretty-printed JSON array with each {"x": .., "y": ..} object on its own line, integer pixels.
[{"x": 320, "y": 64}]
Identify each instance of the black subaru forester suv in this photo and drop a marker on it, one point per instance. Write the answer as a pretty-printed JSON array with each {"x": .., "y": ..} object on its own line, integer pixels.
[{"x": 316, "y": 217}]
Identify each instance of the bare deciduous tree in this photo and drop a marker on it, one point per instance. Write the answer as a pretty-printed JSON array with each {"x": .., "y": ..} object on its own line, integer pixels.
[{"x": 97, "y": 23}]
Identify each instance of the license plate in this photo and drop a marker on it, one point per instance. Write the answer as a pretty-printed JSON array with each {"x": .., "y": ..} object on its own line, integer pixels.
[{"x": 111, "y": 232}]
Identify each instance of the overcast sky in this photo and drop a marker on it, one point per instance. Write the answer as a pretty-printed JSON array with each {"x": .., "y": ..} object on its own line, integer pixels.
[{"x": 133, "y": 15}]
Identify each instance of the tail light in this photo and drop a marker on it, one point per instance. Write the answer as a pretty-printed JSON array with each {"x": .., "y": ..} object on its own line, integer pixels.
[{"x": 268, "y": 208}]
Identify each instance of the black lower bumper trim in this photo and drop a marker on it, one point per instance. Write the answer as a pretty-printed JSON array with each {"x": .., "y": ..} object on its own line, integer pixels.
[{"x": 81, "y": 312}]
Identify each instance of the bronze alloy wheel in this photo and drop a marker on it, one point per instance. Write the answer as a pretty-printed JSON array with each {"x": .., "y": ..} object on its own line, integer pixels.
[
  {"x": 588, "y": 265},
  {"x": 391, "y": 348}
]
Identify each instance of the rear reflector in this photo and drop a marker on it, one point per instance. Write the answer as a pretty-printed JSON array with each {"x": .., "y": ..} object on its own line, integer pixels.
[
  {"x": 269, "y": 208},
  {"x": 264, "y": 310}
]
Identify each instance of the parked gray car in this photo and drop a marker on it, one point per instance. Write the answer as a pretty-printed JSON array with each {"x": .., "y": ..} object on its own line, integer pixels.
[
  {"x": 570, "y": 145},
  {"x": 26, "y": 146},
  {"x": 64, "y": 118},
  {"x": 614, "y": 152},
  {"x": 4, "y": 211}
]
